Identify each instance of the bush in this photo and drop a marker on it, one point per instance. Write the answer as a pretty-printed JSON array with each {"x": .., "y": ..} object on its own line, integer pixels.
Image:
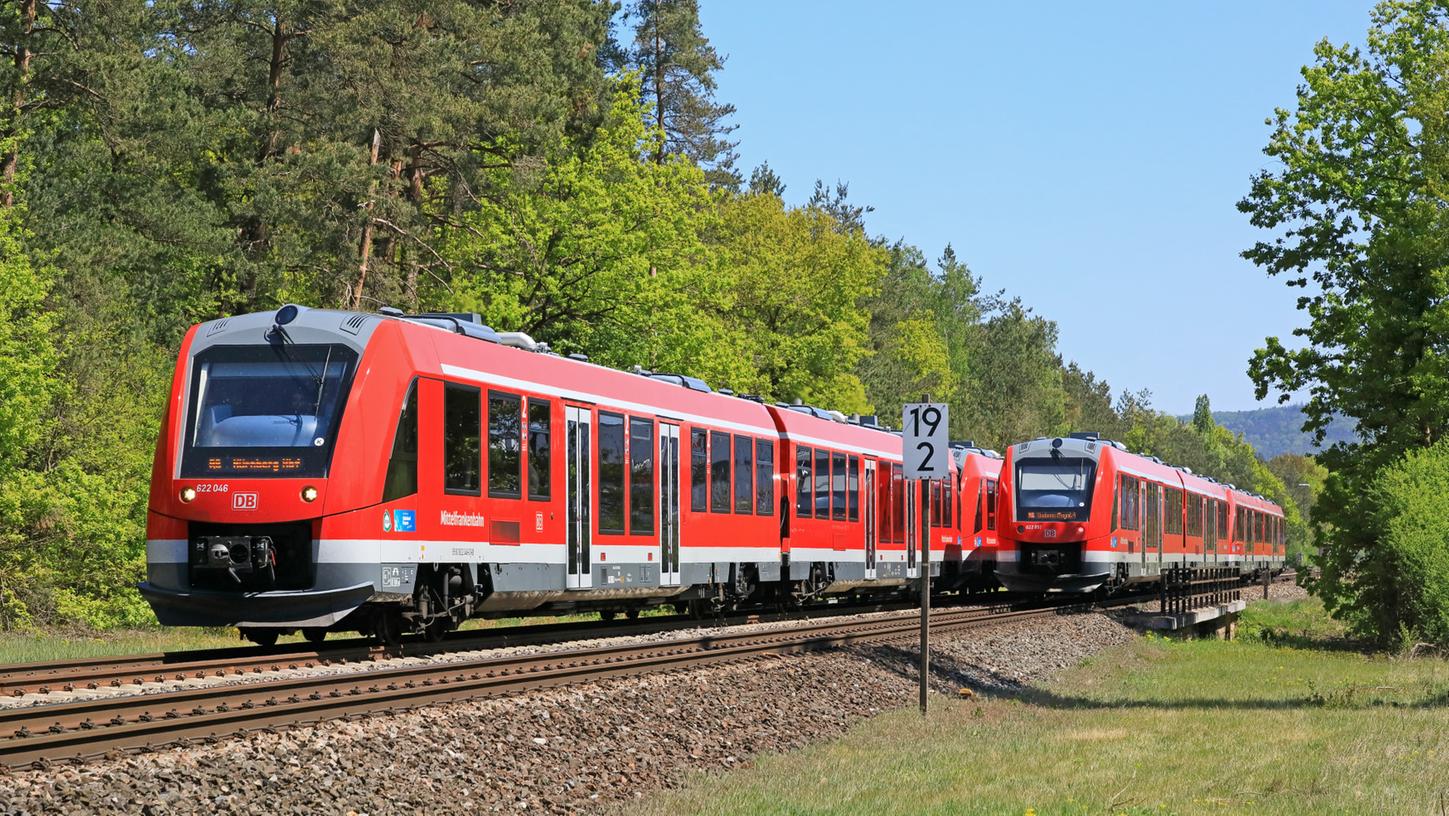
[{"x": 1411, "y": 515}]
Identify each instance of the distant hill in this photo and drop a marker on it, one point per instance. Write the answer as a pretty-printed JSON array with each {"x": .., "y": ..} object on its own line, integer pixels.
[{"x": 1276, "y": 430}]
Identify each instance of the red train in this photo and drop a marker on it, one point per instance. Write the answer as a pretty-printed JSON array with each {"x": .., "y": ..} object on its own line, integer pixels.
[
  {"x": 1082, "y": 513},
  {"x": 323, "y": 470}
]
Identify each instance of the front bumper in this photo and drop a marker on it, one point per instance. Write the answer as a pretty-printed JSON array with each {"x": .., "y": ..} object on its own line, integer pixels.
[
  {"x": 282, "y": 609},
  {"x": 1035, "y": 582}
]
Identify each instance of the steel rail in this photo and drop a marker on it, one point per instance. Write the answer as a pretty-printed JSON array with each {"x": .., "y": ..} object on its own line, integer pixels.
[
  {"x": 97, "y": 727},
  {"x": 114, "y": 672}
]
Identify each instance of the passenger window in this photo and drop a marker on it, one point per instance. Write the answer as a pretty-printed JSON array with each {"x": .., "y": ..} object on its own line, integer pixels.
[
  {"x": 698, "y": 470},
  {"x": 505, "y": 445},
  {"x": 764, "y": 477},
  {"x": 744, "y": 473},
  {"x": 611, "y": 473},
  {"x": 804, "y": 504},
  {"x": 980, "y": 503},
  {"x": 641, "y": 476},
  {"x": 1118, "y": 499},
  {"x": 822, "y": 483},
  {"x": 402, "y": 465},
  {"x": 945, "y": 502},
  {"x": 837, "y": 487},
  {"x": 462, "y": 443},
  {"x": 540, "y": 443},
  {"x": 852, "y": 487},
  {"x": 883, "y": 501},
  {"x": 991, "y": 504},
  {"x": 719, "y": 472},
  {"x": 898, "y": 504}
]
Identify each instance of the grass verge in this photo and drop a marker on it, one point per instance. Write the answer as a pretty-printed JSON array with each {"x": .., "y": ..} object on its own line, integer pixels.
[{"x": 1286, "y": 721}]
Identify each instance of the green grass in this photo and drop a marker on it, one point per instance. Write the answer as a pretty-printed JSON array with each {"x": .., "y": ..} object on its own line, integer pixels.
[{"x": 1157, "y": 727}]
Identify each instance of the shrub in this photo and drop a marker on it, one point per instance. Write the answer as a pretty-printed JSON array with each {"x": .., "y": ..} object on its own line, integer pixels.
[{"x": 1411, "y": 515}]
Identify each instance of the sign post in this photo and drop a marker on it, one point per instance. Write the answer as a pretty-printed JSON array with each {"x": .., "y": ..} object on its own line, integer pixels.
[{"x": 927, "y": 456}]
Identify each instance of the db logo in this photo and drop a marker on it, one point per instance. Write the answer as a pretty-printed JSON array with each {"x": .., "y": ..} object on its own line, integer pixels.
[{"x": 243, "y": 501}]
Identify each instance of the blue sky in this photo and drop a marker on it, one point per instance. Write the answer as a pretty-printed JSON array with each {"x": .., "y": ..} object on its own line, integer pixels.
[{"x": 1085, "y": 156}]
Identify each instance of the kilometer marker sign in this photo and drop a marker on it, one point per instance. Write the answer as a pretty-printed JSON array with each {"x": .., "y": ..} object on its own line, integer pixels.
[
  {"x": 926, "y": 429},
  {"x": 927, "y": 436}
]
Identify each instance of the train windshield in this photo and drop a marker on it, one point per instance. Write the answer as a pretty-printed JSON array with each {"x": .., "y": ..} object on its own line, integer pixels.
[
  {"x": 265, "y": 410},
  {"x": 1057, "y": 489}
]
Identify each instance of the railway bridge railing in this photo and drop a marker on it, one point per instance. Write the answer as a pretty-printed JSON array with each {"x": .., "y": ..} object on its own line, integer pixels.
[{"x": 1184, "y": 589}]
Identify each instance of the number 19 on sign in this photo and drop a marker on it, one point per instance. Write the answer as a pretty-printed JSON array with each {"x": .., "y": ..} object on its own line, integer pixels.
[{"x": 927, "y": 438}]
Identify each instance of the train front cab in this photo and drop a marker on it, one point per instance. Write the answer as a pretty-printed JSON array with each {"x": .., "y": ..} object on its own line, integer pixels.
[
  {"x": 1054, "y": 506},
  {"x": 262, "y": 409}
]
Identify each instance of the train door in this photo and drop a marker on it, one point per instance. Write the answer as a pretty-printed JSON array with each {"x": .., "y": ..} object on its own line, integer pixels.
[
  {"x": 870, "y": 525},
  {"x": 668, "y": 504},
  {"x": 912, "y": 489},
  {"x": 1150, "y": 529},
  {"x": 579, "y": 422}
]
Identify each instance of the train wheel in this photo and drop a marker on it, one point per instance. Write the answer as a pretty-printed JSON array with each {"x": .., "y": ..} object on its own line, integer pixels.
[
  {"x": 315, "y": 635},
  {"x": 388, "y": 627},
  {"x": 607, "y": 615},
  {"x": 632, "y": 613},
  {"x": 436, "y": 629},
  {"x": 262, "y": 637}
]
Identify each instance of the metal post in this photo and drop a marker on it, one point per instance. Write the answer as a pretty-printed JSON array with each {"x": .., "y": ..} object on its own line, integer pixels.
[
  {"x": 1266, "y": 579},
  {"x": 925, "y": 564}
]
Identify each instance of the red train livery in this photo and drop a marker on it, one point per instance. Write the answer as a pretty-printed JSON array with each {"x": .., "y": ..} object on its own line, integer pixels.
[
  {"x": 376, "y": 472},
  {"x": 1082, "y": 513}
]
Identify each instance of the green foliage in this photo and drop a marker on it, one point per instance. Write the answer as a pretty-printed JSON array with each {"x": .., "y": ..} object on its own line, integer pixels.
[
  {"x": 1404, "y": 588},
  {"x": 176, "y": 161},
  {"x": 1356, "y": 203}
]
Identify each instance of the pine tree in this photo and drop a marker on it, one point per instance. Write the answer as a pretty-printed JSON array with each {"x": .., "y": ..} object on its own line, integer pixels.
[{"x": 678, "y": 64}]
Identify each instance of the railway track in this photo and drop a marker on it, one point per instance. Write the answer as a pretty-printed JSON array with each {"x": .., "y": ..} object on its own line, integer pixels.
[
  {"x": 37, "y": 735},
  {"x": 75, "y": 731},
  {"x": 135, "y": 670}
]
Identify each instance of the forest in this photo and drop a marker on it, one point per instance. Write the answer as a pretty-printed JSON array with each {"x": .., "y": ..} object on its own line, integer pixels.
[{"x": 562, "y": 168}]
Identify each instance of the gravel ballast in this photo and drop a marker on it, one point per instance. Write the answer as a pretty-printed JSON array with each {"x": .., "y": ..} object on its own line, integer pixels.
[{"x": 564, "y": 750}]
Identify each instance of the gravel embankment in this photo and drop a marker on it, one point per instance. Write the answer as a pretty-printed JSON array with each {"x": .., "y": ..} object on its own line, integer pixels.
[{"x": 571, "y": 750}]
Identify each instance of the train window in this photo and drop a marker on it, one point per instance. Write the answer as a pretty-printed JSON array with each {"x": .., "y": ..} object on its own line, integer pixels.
[
  {"x": 719, "y": 472},
  {"x": 540, "y": 442},
  {"x": 641, "y": 476},
  {"x": 744, "y": 473},
  {"x": 897, "y": 505},
  {"x": 852, "y": 488},
  {"x": 883, "y": 502},
  {"x": 980, "y": 503},
  {"x": 837, "y": 486},
  {"x": 991, "y": 504},
  {"x": 935, "y": 502},
  {"x": 612, "y": 478},
  {"x": 402, "y": 465},
  {"x": 698, "y": 470},
  {"x": 1222, "y": 509},
  {"x": 462, "y": 443},
  {"x": 1194, "y": 515},
  {"x": 1172, "y": 512},
  {"x": 505, "y": 445},
  {"x": 764, "y": 477},
  {"x": 804, "y": 503},
  {"x": 822, "y": 483}
]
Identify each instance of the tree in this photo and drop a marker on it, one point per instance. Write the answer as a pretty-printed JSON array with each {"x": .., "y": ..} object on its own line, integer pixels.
[
  {"x": 678, "y": 65},
  {"x": 1356, "y": 201},
  {"x": 1202, "y": 414}
]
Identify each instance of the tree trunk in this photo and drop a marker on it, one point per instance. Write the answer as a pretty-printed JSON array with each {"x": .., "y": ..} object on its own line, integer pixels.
[
  {"x": 271, "y": 135},
  {"x": 365, "y": 249},
  {"x": 659, "y": 89},
  {"x": 415, "y": 197},
  {"x": 23, "y": 55}
]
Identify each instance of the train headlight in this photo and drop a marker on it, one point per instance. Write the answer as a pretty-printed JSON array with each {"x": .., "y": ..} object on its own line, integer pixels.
[
  {"x": 309, "y": 494},
  {"x": 188, "y": 495}
]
